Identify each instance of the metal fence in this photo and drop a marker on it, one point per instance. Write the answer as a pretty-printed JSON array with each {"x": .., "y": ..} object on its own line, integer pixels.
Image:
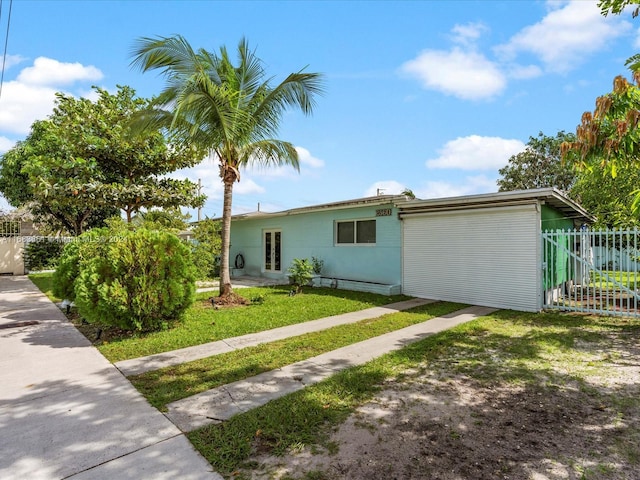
[
  {"x": 9, "y": 229},
  {"x": 592, "y": 271}
]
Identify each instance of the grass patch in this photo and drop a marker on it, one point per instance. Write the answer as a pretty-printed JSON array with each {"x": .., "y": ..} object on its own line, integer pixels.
[
  {"x": 536, "y": 350},
  {"x": 174, "y": 383},
  {"x": 44, "y": 281},
  {"x": 202, "y": 324}
]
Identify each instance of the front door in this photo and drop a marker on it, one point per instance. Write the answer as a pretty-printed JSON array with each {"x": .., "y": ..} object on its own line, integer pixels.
[{"x": 272, "y": 241}]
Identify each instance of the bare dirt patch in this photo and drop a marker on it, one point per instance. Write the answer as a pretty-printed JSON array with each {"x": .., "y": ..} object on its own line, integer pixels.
[
  {"x": 226, "y": 301},
  {"x": 438, "y": 424}
]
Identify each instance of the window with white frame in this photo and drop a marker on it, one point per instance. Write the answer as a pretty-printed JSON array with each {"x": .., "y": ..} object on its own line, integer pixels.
[{"x": 356, "y": 232}]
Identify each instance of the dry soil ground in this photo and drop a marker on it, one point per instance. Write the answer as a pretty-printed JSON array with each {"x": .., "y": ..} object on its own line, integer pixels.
[{"x": 580, "y": 420}]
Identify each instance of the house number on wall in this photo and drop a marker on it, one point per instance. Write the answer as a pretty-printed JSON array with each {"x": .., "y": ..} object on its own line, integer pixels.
[{"x": 383, "y": 212}]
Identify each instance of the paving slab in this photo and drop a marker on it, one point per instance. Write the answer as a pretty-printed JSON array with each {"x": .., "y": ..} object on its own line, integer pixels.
[
  {"x": 170, "y": 459},
  {"x": 65, "y": 410},
  {"x": 222, "y": 403},
  {"x": 140, "y": 365}
]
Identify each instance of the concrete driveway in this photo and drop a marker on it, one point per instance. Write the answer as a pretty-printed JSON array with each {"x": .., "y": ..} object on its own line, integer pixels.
[{"x": 66, "y": 412}]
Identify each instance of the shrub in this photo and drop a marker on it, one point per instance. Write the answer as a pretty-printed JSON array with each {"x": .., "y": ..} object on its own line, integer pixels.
[
  {"x": 66, "y": 272},
  {"x": 206, "y": 249},
  {"x": 68, "y": 269},
  {"x": 317, "y": 264},
  {"x": 42, "y": 253},
  {"x": 300, "y": 272},
  {"x": 140, "y": 280}
]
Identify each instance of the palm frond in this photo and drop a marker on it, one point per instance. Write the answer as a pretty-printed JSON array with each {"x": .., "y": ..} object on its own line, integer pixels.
[{"x": 269, "y": 152}]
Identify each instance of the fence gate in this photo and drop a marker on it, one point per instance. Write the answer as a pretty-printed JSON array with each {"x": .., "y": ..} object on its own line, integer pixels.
[{"x": 591, "y": 271}]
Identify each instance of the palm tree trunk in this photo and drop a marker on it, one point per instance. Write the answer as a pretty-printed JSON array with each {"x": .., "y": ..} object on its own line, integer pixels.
[{"x": 225, "y": 277}]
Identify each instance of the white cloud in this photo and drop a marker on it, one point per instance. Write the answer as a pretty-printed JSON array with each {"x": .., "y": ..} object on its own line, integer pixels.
[
  {"x": 469, "y": 33},
  {"x": 207, "y": 173},
  {"x": 31, "y": 96},
  {"x": 566, "y": 35},
  {"x": 47, "y": 71},
  {"x": 468, "y": 75},
  {"x": 386, "y": 187},
  {"x": 468, "y": 186},
  {"x": 12, "y": 60},
  {"x": 522, "y": 72},
  {"x": 307, "y": 162},
  {"x": 636, "y": 43},
  {"x": 305, "y": 158},
  {"x": 247, "y": 186},
  {"x": 6, "y": 144},
  {"x": 476, "y": 153},
  {"x": 22, "y": 104}
]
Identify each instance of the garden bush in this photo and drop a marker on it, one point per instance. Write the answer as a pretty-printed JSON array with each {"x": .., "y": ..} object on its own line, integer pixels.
[
  {"x": 137, "y": 280},
  {"x": 206, "y": 249},
  {"x": 300, "y": 272},
  {"x": 42, "y": 253},
  {"x": 68, "y": 268}
]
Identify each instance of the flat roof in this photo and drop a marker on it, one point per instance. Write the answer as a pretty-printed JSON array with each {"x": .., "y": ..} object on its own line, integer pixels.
[
  {"x": 550, "y": 196},
  {"x": 377, "y": 200}
]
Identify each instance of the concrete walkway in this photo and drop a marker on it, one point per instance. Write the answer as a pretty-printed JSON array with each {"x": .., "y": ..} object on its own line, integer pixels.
[
  {"x": 219, "y": 404},
  {"x": 66, "y": 412},
  {"x": 243, "y": 281},
  {"x": 140, "y": 365}
]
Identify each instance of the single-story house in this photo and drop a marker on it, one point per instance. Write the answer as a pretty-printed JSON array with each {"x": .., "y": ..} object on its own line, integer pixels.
[{"x": 479, "y": 249}]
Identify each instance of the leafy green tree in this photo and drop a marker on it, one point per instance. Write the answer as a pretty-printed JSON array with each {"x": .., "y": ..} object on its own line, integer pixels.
[
  {"x": 85, "y": 159},
  {"x": 616, "y": 7},
  {"x": 609, "y": 137},
  {"x": 163, "y": 219},
  {"x": 56, "y": 216},
  {"x": 606, "y": 151},
  {"x": 231, "y": 112},
  {"x": 206, "y": 248},
  {"x": 609, "y": 200},
  {"x": 538, "y": 166},
  {"x": 407, "y": 192}
]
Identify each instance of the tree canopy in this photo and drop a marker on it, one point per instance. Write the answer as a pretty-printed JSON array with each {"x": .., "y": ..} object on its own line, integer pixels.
[
  {"x": 231, "y": 111},
  {"x": 606, "y": 152},
  {"x": 616, "y": 7},
  {"x": 610, "y": 200},
  {"x": 609, "y": 136},
  {"x": 84, "y": 161},
  {"x": 539, "y": 165}
]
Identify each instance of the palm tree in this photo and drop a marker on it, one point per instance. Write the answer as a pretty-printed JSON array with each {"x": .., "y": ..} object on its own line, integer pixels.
[{"x": 230, "y": 112}]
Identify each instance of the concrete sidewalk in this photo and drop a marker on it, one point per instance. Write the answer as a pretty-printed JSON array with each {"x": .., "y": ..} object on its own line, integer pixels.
[
  {"x": 140, "y": 365},
  {"x": 66, "y": 412},
  {"x": 220, "y": 404}
]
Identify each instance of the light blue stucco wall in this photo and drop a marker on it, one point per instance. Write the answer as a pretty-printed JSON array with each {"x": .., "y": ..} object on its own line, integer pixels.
[{"x": 312, "y": 234}]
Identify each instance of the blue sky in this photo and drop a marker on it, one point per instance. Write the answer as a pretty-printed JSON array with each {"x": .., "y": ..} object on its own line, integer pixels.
[{"x": 434, "y": 96}]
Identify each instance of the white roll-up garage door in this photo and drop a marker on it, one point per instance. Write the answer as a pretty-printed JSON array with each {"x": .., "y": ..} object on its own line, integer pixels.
[{"x": 487, "y": 256}]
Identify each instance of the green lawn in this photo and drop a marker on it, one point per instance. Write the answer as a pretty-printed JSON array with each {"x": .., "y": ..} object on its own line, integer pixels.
[
  {"x": 606, "y": 280},
  {"x": 44, "y": 281},
  {"x": 202, "y": 324},
  {"x": 532, "y": 352},
  {"x": 174, "y": 383}
]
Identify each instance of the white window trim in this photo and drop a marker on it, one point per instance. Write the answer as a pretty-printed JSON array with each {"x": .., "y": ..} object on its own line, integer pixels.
[{"x": 355, "y": 232}]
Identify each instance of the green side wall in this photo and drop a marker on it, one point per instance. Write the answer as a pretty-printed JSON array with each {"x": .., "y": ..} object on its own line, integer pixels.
[{"x": 556, "y": 259}]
